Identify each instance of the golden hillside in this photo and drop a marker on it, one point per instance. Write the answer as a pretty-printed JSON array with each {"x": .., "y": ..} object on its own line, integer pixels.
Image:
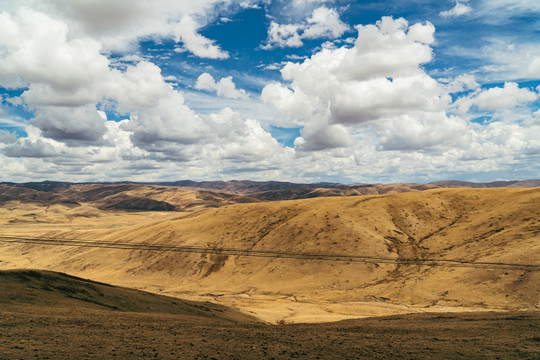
[{"x": 475, "y": 225}]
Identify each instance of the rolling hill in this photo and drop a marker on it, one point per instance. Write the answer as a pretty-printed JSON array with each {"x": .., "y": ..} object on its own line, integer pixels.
[
  {"x": 493, "y": 184},
  {"x": 187, "y": 195},
  {"x": 498, "y": 226},
  {"x": 138, "y": 197}
]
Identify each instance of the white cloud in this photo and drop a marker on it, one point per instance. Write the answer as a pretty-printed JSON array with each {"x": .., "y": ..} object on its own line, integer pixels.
[
  {"x": 367, "y": 112},
  {"x": 249, "y": 5},
  {"x": 286, "y": 35},
  {"x": 64, "y": 76},
  {"x": 225, "y": 87},
  {"x": 295, "y": 57},
  {"x": 380, "y": 78},
  {"x": 509, "y": 59},
  {"x": 138, "y": 87},
  {"x": 68, "y": 78},
  {"x": 301, "y": 3},
  {"x": 461, "y": 8},
  {"x": 323, "y": 23},
  {"x": 186, "y": 31},
  {"x": 509, "y": 96},
  {"x": 497, "y": 98},
  {"x": 462, "y": 82},
  {"x": 36, "y": 49},
  {"x": 119, "y": 25},
  {"x": 535, "y": 120},
  {"x": 421, "y": 131}
]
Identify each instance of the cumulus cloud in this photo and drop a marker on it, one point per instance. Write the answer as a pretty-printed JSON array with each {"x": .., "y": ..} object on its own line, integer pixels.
[
  {"x": 224, "y": 87},
  {"x": 140, "y": 86},
  {"x": 69, "y": 85},
  {"x": 36, "y": 50},
  {"x": 75, "y": 126},
  {"x": 28, "y": 149},
  {"x": 375, "y": 98},
  {"x": 423, "y": 131},
  {"x": 497, "y": 98},
  {"x": 461, "y": 83},
  {"x": 364, "y": 110},
  {"x": 283, "y": 35},
  {"x": 168, "y": 121},
  {"x": 187, "y": 32},
  {"x": 323, "y": 136},
  {"x": 69, "y": 82},
  {"x": 64, "y": 77},
  {"x": 119, "y": 25},
  {"x": 380, "y": 78},
  {"x": 251, "y": 143},
  {"x": 535, "y": 120},
  {"x": 323, "y": 23},
  {"x": 459, "y": 9},
  {"x": 509, "y": 96}
]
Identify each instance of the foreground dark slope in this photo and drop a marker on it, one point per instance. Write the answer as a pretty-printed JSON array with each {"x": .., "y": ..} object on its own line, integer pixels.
[
  {"x": 29, "y": 289},
  {"x": 50, "y": 315}
]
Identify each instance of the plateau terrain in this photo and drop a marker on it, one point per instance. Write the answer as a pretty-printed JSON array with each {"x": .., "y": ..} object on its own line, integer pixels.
[
  {"x": 411, "y": 248},
  {"x": 409, "y": 253}
]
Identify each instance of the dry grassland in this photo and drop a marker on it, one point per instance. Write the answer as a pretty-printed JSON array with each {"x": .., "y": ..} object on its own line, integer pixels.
[{"x": 487, "y": 225}]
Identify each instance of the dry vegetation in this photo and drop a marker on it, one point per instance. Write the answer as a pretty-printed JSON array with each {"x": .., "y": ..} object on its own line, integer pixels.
[
  {"x": 421, "y": 311},
  {"x": 490, "y": 225},
  {"x": 53, "y": 316}
]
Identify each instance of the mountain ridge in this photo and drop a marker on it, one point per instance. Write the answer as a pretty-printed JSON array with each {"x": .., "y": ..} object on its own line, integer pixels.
[
  {"x": 250, "y": 186},
  {"x": 187, "y": 195}
]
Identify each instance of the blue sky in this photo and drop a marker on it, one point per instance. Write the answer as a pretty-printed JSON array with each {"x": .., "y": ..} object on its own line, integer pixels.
[{"x": 300, "y": 90}]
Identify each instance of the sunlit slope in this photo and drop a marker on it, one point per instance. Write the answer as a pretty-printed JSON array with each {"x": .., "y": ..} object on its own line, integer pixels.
[
  {"x": 147, "y": 197},
  {"x": 489, "y": 225}
]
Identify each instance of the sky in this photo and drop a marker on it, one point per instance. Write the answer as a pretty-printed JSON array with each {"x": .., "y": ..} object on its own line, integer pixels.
[{"x": 300, "y": 90}]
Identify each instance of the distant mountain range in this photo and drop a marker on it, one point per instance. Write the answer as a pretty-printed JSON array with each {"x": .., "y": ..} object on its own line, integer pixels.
[
  {"x": 511, "y": 184},
  {"x": 233, "y": 186},
  {"x": 250, "y": 187},
  {"x": 190, "y": 195}
]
